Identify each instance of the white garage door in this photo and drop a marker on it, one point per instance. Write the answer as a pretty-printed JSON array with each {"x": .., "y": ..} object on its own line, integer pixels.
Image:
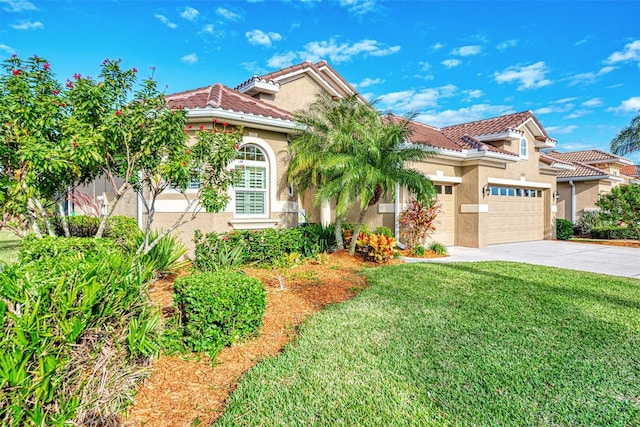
[{"x": 515, "y": 215}]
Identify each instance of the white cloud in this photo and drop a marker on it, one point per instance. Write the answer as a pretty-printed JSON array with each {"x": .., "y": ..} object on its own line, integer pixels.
[
  {"x": 227, "y": 14},
  {"x": 473, "y": 94},
  {"x": 561, "y": 130},
  {"x": 565, "y": 100},
  {"x": 28, "y": 25},
  {"x": 507, "y": 44},
  {"x": 590, "y": 78},
  {"x": 450, "y": 63},
  {"x": 207, "y": 29},
  {"x": 593, "y": 102},
  {"x": 577, "y": 114},
  {"x": 369, "y": 82},
  {"x": 543, "y": 110},
  {"x": 358, "y": 7},
  {"x": 7, "y": 48},
  {"x": 189, "y": 13},
  {"x": 412, "y": 100},
  {"x": 628, "y": 105},
  {"x": 424, "y": 66},
  {"x": 529, "y": 77},
  {"x": 165, "y": 20},
  {"x": 17, "y": 5},
  {"x": 437, "y": 46},
  {"x": 583, "y": 41},
  {"x": 463, "y": 115},
  {"x": 467, "y": 50},
  {"x": 282, "y": 60},
  {"x": 334, "y": 52},
  {"x": 191, "y": 58},
  {"x": 630, "y": 53},
  {"x": 258, "y": 37}
]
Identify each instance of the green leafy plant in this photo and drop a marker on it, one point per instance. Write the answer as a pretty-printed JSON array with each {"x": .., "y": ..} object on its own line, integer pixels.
[
  {"x": 167, "y": 255},
  {"x": 622, "y": 205},
  {"x": 418, "y": 250},
  {"x": 385, "y": 231},
  {"x": 417, "y": 221},
  {"x": 613, "y": 232},
  {"x": 438, "y": 248},
  {"x": 218, "y": 308},
  {"x": 564, "y": 229}
]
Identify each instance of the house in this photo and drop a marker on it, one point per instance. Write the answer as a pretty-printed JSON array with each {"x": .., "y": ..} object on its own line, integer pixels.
[
  {"x": 494, "y": 182},
  {"x": 594, "y": 172},
  {"x": 632, "y": 171}
]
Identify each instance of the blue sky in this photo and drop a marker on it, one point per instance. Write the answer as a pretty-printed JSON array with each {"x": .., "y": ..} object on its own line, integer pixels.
[{"x": 576, "y": 65}]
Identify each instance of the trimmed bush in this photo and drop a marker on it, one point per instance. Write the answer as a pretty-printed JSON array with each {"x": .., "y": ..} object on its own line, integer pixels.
[
  {"x": 123, "y": 230},
  {"x": 218, "y": 308},
  {"x": 615, "y": 232},
  {"x": 58, "y": 248},
  {"x": 564, "y": 229}
]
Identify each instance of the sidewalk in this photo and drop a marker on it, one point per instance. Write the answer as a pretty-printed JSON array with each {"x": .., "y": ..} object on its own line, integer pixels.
[{"x": 595, "y": 258}]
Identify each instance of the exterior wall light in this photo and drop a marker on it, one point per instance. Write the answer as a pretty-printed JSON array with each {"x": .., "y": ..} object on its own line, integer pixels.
[
  {"x": 486, "y": 190},
  {"x": 555, "y": 196}
]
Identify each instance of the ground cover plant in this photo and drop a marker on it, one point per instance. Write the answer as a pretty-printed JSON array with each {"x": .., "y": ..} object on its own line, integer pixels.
[{"x": 458, "y": 344}]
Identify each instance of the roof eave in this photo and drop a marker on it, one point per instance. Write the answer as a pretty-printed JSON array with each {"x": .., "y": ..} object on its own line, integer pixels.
[{"x": 244, "y": 119}]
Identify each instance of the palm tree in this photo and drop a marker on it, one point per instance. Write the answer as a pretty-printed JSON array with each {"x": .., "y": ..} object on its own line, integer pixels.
[
  {"x": 327, "y": 126},
  {"x": 370, "y": 167},
  {"x": 628, "y": 139}
]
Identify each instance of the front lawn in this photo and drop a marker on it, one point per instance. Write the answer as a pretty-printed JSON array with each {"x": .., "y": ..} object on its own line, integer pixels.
[
  {"x": 491, "y": 343},
  {"x": 8, "y": 247}
]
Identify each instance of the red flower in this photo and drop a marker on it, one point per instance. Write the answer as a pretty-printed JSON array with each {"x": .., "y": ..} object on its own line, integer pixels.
[
  {"x": 46, "y": 66},
  {"x": 75, "y": 144},
  {"x": 118, "y": 112},
  {"x": 105, "y": 61},
  {"x": 55, "y": 92},
  {"x": 69, "y": 84},
  {"x": 215, "y": 130},
  {"x": 189, "y": 127},
  {"x": 215, "y": 120},
  {"x": 184, "y": 163},
  {"x": 15, "y": 55},
  {"x": 225, "y": 124},
  {"x": 62, "y": 104},
  {"x": 77, "y": 76},
  {"x": 201, "y": 127},
  {"x": 16, "y": 72},
  {"x": 135, "y": 70}
]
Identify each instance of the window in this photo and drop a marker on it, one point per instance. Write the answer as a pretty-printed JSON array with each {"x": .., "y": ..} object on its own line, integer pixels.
[
  {"x": 251, "y": 187},
  {"x": 524, "y": 148},
  {"x": 448, "y": 189}
]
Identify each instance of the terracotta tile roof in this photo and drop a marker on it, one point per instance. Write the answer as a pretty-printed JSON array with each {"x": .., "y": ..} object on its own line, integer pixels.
[
  {"x": 549, "y": 160},
  {"x": 583, "y": 171},
  {"x": 425, "y": 134},
  {"x": 586, "y": 156},
  {"x": 490, "y": 126},
  {"x": 631, "y": 170},
  {"x": 221, "y": 97}
]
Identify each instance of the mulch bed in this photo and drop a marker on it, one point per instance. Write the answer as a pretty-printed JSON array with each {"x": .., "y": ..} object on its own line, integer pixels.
[{"x": 188, "y": 391}]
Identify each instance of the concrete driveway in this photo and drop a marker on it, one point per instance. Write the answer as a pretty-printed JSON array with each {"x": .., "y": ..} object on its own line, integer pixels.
[{"x": 612, "y": 260}]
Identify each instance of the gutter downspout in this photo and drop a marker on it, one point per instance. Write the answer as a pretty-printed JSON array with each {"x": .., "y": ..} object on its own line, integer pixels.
[
  {"x": 573, "y": 201},
  {"x": 396, "y": 216}
]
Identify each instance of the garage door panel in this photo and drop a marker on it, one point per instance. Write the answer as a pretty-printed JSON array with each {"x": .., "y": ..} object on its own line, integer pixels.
[{"x": 515, "y": 219}]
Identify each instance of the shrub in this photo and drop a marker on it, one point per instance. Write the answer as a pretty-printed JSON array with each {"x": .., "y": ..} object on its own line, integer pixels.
[
  {"x": 347, "y": 230},
  {"x": 123, "y": 230},
  {"x": 615, "y": 232},
  {"x": 218, "y": 308},
  {"x": 564, "y": 229},
  {"x": 166, "y": 255},
  {"x": 376, "y": 247},
  {"x": 385, "y": 231},
  {"x": 65, "y": 317},
  {"x": 438, "y": 248},
  {"x": 258, "y": 246},
  {"x": 589, "y": 220},
  {"x": 417, "y": 221},
  {"x": 59, "y": 248},
  {"x": 218, "y": 255},
  {"x": 79, "y": 225},
  {"x": 622, "y": 205},
  {"x": 418, "y": 250},
  {"x": 317, "y": 238}
]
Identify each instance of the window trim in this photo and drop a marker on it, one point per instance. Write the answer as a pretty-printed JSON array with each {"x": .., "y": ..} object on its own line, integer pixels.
[
  {"x": 523, "y": 143},
  {"x": 265, "y": 164}
]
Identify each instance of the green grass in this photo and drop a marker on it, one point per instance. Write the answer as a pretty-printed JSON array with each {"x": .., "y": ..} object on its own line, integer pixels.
[
  {"x": 8, "y": 247},
  {"x": 498, "y": 344}
]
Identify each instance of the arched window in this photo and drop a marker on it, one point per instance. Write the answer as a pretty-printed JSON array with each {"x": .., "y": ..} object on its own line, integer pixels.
[
  {"x": 251, "y": 188},
  {"x": 524, "y": 148}
]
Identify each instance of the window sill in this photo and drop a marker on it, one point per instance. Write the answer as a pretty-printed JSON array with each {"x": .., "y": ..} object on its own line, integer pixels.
[{"x": 253, "y": 223}]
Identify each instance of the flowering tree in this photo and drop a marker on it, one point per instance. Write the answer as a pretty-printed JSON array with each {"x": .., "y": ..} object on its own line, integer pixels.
[{"x": 58, "y": 138}]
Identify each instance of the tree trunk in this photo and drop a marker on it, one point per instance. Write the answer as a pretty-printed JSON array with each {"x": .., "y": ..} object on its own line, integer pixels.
[
  {"x": 45, "y": 216},
  {"x": 356, "y": 231},
  {"x": 338, "y": 233},
  {"x": 63, "y": 220}
]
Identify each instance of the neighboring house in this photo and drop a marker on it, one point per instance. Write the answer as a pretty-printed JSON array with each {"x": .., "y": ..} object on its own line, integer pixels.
[
  {"x": 594, "y": 173},
  {"x": 632, "y": 171},
  {"x": 493, "y": 180}
]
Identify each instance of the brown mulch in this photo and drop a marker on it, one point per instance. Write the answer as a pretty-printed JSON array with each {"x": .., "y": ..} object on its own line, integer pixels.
[
  {"x": 624, "y": 243},
  {"x": 185, "y": 392}
]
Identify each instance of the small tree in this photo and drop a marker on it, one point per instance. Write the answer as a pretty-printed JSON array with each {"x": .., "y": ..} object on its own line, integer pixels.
[
  {"x": 622, "y": 206},
  {"x": 417, "y": 221}
]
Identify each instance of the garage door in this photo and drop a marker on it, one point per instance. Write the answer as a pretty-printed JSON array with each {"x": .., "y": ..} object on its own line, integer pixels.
[
  {"x": 515, "y": 215},
  {"x": 445, "y": 221}
]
